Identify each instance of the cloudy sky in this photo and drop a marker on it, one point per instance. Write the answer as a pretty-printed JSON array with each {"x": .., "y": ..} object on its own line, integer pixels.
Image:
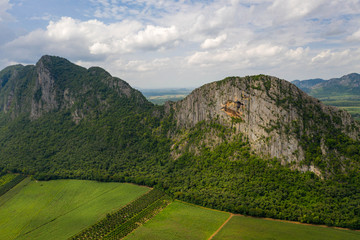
[{"x": 186, "y": 43}]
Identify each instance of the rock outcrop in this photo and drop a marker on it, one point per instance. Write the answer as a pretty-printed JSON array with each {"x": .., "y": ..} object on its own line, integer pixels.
[{"x": 273, "y": 114}]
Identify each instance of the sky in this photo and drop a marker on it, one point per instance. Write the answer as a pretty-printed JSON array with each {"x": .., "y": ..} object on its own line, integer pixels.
[{"x": 186, "y": 43}]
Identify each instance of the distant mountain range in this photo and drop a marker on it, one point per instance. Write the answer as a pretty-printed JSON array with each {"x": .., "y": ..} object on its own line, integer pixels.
[
  {"x": 341, "y": 92},
  {"x": 349, "y": 83}
]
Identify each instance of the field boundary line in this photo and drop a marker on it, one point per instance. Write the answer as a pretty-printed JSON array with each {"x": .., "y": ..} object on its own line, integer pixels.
[{"x": 218, "y": 230}]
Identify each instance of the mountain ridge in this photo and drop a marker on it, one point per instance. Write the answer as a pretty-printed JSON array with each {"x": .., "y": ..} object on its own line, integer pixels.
[
  {"x": 351, "y": 80},
  {"x": 343, "y": 92}
]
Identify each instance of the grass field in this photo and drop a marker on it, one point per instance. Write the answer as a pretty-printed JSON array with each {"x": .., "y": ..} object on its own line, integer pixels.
[
  {"x": 248, "y": 228},
  {"x": 181, "y": 221},
  {"x": 59, "y": 209},
  {"x": 6, "y": 178},
  {"x": 350, "y": 103}
]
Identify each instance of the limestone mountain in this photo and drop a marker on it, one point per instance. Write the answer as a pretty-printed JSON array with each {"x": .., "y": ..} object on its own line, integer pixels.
[
  {"x": 277, "y": 118},
  {"x": 55, "y": 84},
  {"x": 56, "y": 112}
]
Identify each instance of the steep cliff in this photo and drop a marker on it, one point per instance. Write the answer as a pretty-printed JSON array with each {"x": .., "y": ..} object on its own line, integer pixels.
[{"x": 278, "y": 119}]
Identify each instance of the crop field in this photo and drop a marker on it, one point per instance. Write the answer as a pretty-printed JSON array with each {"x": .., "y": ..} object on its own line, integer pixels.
[
  {"x": 350, "y": 103},
  {"x": 61, "y": 208},
  {"x": 160, "y": 100},
  {"x": 185, "y": 221},
  {"x": 249, "y": 228},
  {"x": 181, "y": 221}
]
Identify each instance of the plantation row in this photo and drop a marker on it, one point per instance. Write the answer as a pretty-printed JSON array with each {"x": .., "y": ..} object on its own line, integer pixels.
[
  {"x": 7, "y": 186},
  {"x": 126, "y": 219}
]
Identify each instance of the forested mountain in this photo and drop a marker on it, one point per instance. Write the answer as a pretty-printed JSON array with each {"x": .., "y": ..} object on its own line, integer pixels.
[
  {"x": 341, "y": 92},
  {"x": 255, "y": 145},
  {"x": 348, "y": 84},
  {"x": 306, "y": 85}
]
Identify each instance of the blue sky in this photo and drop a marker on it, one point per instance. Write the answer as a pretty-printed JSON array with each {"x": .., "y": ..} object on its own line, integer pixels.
[{"x": 158, "y": 43}]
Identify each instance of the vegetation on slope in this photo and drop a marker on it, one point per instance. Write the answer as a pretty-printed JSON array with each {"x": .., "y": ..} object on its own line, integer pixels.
[{"x": 231, "y": 178}]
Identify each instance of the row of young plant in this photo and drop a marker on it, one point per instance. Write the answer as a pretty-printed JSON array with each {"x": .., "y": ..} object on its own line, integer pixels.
[
  {"x": 7, "y": 186},
  {"x": 139, "y": 219},
  {"x": 120, "y": 223}
]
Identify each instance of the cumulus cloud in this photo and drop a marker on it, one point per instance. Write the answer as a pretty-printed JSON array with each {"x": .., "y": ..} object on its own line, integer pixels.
[
  {"x": 74, "y": 37},
  {"x": 145, "y": 66},
  {"x": 264, "y": 54},
  {"x": 336, "y": 58},
  {"x": 153, "y": 37},
  {"x": 213, "y": 42},
  {"x": 296, "y": 8},
  {"x": 355, "y": 36}
]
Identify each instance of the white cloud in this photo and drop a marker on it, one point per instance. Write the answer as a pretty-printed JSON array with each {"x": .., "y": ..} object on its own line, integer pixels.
[
  {"x": 72, "y": 37},
  {"x": 213, "y": 42},
  {"x": 4, "y": 7},
  {"x": 144, "y": 66},
  {"x": 355, "y": 36},
  {"x": 295, "y": 8},
  {"x": 333, "y": 58},
  {"x": 121, "y": 37},
  {"x": 153, "y": 37},
  {"x": 246, "y": 55}
]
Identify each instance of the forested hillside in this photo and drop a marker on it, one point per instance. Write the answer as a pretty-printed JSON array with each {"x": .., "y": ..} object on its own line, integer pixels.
[{"x": 59, "y": 120}]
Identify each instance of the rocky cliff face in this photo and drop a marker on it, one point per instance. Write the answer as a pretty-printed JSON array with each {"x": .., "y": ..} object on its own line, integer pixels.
[
  {"x": 44, "y": 93},
  {"x": 274, "y": 115}
]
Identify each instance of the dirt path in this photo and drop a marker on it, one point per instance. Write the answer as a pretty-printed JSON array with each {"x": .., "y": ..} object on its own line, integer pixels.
[{"x": 211, "y": 237}]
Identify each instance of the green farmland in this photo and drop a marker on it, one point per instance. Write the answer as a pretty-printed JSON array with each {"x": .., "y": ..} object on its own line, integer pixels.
[
  {"x": 249, "y": 228},
  {"x": 61, "y": 208},
  {"x": 181, "y": 221},
  {"x": 184, "y": 221},
  {"x": 350, "y": 103}
]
